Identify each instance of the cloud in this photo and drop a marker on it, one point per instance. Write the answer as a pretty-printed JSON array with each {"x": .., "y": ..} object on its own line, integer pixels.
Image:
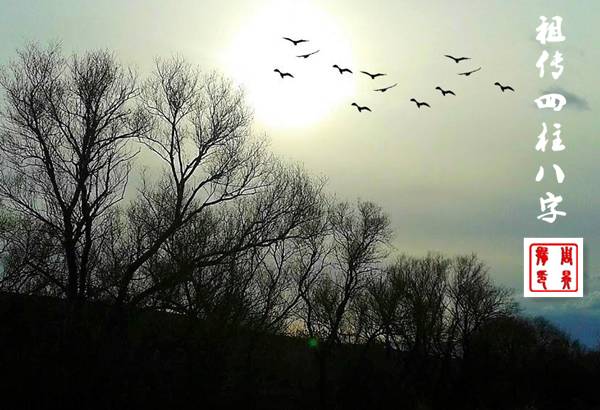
[
  {"x": 573, "y": 100},
  {"x": 589, "y": 304},
  {"x": 580, "y": 317}
]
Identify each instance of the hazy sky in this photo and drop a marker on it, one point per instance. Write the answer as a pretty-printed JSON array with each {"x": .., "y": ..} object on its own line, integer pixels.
[{"x": 456, "y": 178}]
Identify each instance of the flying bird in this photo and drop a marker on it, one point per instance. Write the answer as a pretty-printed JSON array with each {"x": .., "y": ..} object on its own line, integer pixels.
[
  {"x": 468, "y": 73},
  {"x": 308, "y": 55},
  {"x": 457, "y": 60},
  {"x": 361, "y": 109},
  {"x": 504, "y": 87},
  {"x": 419, "y": 104},
  {"x": 373, "y": 76},
  {"x": 295, "y": 42},
  {"x": 283, "y": 75},
  {"x": 444, "y": 92},
  {"x": 342, "y": 70},
  {"x": 384, "y": 89}
]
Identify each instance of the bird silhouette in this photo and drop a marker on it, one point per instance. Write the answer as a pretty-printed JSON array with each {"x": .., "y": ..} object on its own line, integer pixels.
[
  {"x": 283, "y": 75},
  {"x": 384, "y": 89},
  {"x": 308, "y": 55},
  {"x": 419, "y": 104},
  {"x": 342, "y": 70},
  {"x": 504, "y": 87},
  {"x": 295, "y": 42},
  {"x": 457, "y": 60},
  {"x": 444, "y": 92},
  {"x": 468, "y": 73},
  {"x": 361, "y": 109},
  {"x": 373, "y": 76}
]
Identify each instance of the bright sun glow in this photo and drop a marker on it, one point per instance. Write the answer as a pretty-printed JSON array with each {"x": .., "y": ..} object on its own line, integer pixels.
[{"x": 317, "y": 87}]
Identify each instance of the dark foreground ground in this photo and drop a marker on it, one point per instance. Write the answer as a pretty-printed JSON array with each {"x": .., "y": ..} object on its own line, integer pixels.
[{"x": 161, "y": 361}]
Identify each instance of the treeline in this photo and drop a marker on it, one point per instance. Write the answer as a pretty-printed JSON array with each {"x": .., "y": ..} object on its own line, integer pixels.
[{"x": 227, "y": 277}]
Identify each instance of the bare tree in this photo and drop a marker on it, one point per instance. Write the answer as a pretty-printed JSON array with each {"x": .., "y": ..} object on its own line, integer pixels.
[
  {"x": 381, "y": 312},
  {"x": 201, "y": 134},
  {"x": 64, "y": 132},
  {"x": 420, "y": 286},
  {"x": 213, "y": 166},
  {"x": 473, "y": 300},
  {"x": 358, "y": 244},
  {"x": 256, "y": 254},
  {"x": 29, "y": 257},
  {"x": 289, "y": 271},
  {"x": 358, "y": 239}
]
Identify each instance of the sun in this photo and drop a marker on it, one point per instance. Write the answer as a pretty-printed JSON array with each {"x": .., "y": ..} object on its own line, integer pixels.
[{"x": 316, "y": 89}]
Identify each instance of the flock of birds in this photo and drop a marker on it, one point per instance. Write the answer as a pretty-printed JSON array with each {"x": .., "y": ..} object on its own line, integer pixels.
[{"x": 373, "y": 76}]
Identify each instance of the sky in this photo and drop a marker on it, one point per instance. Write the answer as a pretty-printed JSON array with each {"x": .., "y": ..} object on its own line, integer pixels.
[{"x": 456, "y": 178}]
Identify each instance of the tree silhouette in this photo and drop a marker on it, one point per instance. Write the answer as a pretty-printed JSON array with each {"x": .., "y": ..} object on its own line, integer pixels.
[
  {"x": 474, "y": 300},
  {"x": 64, "y": 146},
  {"x": 357, "y": 246}
]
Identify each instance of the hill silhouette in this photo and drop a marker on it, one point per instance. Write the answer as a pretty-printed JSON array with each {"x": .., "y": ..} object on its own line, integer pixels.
[{"x": 166, "y": 361}]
